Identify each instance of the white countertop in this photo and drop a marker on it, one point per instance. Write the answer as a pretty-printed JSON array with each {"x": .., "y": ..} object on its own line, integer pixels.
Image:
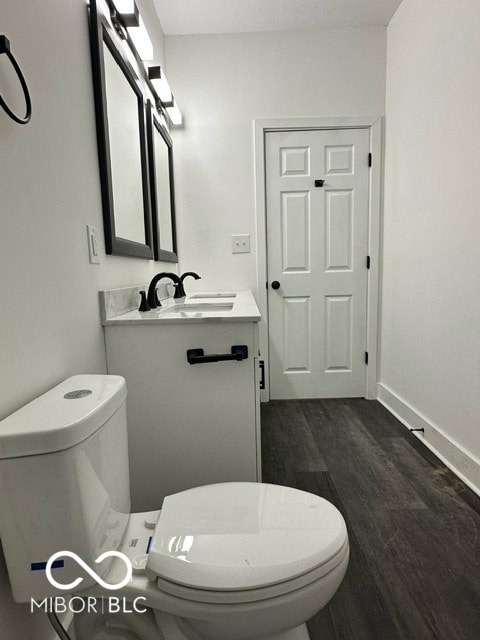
[{"x": 215, "y": 306}]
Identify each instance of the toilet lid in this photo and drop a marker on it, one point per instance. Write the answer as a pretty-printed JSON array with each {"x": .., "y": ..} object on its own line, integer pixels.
[{"x": 236, "y": 536}]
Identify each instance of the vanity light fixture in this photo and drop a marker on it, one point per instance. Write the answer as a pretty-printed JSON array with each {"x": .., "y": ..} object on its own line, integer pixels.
[
  {"x": 160, "y": 83},
  {"x": 127, "y": 14},
  {"x": 162, "y": 89},
  {"x": 173, "y": 112},
  {"x": 141, "y": 40},
  {"x": 124, "y": 6},
  {"x": 131, "y": 19}
]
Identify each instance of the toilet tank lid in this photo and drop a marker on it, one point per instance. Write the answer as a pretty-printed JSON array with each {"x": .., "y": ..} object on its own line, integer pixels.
[{"x": 62, "y": 417}]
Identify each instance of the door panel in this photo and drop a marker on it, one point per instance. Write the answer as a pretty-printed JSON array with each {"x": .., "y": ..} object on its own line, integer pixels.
[
  {"x": 317, "y": 236},
  {"x": 295, "y": 232},
  {"x": 297, "y": 345},
  {"x": 338, "y": 333},
  {"x": 338, "y": 230}
]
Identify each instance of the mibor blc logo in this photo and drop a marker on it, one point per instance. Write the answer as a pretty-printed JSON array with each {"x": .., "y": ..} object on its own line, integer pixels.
[
  {"x": 89, "y": 604},
  {"x": 72, "y": 585}
]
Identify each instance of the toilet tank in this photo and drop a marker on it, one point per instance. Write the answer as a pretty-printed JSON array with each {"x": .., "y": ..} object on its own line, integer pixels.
[{"x": 64, "y": 483}]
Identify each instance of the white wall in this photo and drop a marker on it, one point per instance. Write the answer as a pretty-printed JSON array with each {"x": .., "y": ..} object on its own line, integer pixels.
[
  {"x": 430, "y": 366},
  {"x": 50, "y": 189},
  {"x": 224, "y": 82}
]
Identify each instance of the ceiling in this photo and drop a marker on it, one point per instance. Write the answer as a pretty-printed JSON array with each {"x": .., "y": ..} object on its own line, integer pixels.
[{"x": 182, "y": 17}]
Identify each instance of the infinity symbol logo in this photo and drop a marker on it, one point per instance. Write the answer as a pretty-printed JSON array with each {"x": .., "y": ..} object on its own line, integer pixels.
[{"x": 78, "y": 560}]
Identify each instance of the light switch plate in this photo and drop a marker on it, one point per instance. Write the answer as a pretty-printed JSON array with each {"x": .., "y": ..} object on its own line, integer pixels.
[
  {"x": 93, "y": 253},
  {"x": 241, "y": 243}
]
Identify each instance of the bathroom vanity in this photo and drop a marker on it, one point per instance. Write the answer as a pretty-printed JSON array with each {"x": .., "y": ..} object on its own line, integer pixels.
[{"x": 193, "y": 419}]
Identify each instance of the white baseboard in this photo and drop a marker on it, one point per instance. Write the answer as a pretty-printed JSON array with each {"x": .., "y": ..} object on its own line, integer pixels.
[{"x": 453, "y": 455}]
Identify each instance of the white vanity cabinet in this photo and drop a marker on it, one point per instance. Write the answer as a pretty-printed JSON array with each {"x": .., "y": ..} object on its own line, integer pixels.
[{"x": 189, "y": 424}]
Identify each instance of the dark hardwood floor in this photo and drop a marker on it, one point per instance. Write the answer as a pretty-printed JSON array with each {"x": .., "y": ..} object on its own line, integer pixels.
[{"x": 414, "y": 528}]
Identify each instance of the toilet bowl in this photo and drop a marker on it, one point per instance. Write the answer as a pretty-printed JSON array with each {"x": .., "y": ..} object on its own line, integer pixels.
[
  {"x": 236, "y": 560},
  {"x": 231, "y": 561}
]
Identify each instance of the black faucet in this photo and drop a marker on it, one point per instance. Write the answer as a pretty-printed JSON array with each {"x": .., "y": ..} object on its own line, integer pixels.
[
  {"x": 179, "y": 290},
  {"x": 153, "y": 301}
]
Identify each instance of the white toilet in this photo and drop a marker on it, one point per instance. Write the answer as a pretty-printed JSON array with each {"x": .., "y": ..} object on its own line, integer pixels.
[{"x": 233, "y": 561}]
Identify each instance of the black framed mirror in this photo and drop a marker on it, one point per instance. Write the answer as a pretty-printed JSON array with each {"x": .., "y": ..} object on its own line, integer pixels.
[
  {"x": 160, "y": 162},
  {"x": 122, "y": 148}
]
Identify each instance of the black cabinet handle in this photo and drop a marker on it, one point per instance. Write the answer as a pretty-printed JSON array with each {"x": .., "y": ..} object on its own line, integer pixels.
[
  {"x": 261, "y": 364},
  {"x": 275, "y": 284},
  {"x": 197, "y": 356}
]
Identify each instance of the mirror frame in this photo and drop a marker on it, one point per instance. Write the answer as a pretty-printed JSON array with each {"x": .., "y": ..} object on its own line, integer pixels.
[
  {"x": 102, "y": 33},
  {"x": 155, "y": 128}
]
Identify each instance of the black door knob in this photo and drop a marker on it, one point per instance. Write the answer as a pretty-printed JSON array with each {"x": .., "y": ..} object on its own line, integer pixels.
[{"x": 275, "y": 284}]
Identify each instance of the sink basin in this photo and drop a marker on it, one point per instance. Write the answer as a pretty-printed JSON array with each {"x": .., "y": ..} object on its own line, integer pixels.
[
  {"x": 217, "y": 294},
  {"x": 202, "y": 306}
]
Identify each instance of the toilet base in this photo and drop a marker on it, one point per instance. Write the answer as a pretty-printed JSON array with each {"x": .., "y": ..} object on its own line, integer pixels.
[
  {"x": 299, "y": 633},
  {"x": 146, "y": 627},
  {"x": 171, "y": 629}
]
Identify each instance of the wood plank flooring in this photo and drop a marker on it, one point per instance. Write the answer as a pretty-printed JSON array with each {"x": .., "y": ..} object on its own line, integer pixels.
[{"x": 414, "y": 528}]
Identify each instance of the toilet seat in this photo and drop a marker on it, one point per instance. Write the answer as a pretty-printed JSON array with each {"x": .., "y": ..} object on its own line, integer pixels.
[
  {"x": 211, "y": 596},
  {"x": 242, "y": 542}
]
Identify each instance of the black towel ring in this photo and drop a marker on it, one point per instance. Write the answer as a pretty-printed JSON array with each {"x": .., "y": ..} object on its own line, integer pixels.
[{"x": 5, "y": 48}]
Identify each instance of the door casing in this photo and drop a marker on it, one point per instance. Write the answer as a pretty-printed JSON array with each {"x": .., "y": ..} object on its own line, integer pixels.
[{"x": 375, "y": 125}]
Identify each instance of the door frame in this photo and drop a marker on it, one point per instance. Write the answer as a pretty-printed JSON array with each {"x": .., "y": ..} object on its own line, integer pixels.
[{"x": 375, "y": 125}]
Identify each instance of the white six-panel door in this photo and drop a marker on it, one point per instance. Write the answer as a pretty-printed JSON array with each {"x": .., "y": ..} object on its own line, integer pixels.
[{"x": 317, "y": 186}]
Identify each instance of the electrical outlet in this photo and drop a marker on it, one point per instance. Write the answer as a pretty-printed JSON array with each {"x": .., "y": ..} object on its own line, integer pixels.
[
  {"x": 241, "y": 243},
  {"x": 92, "y": 234}
]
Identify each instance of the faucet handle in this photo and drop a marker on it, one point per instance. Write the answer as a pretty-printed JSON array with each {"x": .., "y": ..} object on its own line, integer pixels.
[
  {"x": 144, "y": 306},
  {"x": 152, "y": 298},
  {"x": 179, "y": 290}
]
